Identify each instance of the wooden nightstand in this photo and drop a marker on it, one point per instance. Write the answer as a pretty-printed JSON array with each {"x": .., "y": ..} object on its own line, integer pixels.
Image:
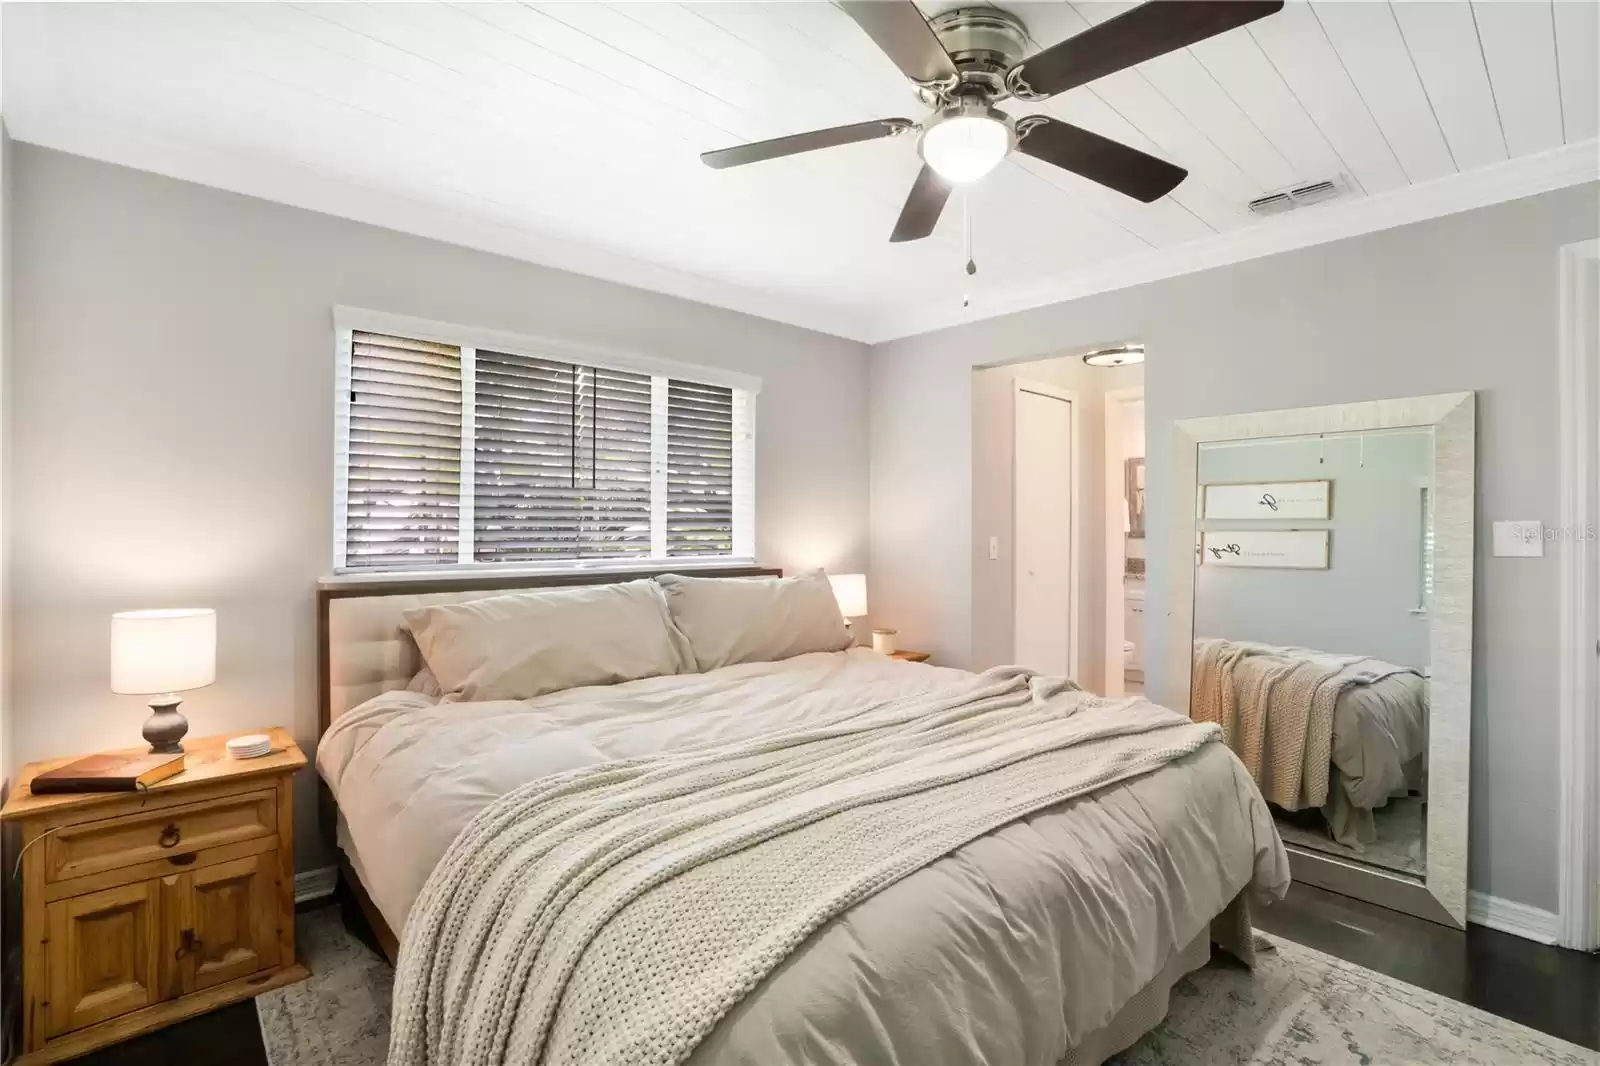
[
  {"x": 142, "y": 909},
  {"x": 911, "y": 656}
]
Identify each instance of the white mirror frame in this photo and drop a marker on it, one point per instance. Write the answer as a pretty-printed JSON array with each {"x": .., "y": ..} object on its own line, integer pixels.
[{"x": 1441, "y": 894}]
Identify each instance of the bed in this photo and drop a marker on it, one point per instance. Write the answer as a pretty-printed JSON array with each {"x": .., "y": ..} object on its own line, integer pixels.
[
  {"x": 1360, "y": 727},
  {"x": 1054, "y": 937}
]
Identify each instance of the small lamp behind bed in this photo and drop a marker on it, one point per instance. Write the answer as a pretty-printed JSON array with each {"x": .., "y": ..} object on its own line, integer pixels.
[{"x": 851, "y": 592}]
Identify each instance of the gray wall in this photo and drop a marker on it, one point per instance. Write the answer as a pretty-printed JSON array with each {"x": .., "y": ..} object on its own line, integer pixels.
[
  {"x": 1366, "y": 602},
  {"x": 172, "y": 421},
  {"x": 1468, "y": 301},
  {"x": 993, "y": 504}
]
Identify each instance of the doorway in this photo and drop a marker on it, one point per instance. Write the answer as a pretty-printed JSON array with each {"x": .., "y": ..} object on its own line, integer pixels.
[{"x": 1045, "y": 528}]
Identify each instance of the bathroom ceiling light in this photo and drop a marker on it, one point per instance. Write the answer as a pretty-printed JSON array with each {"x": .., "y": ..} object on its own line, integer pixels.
[{"x": 1121, "y": 355}]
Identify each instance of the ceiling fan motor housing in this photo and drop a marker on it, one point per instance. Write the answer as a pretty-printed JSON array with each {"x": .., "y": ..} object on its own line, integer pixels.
[{"x": 984, "y": 43}]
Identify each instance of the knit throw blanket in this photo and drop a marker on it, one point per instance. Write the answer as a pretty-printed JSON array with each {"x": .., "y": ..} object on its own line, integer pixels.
[
  {"x": 1276, "y": 709},
  {"x": 612, "y": 914}
]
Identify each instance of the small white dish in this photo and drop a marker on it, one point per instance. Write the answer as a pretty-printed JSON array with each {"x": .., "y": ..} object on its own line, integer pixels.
[{"x": 252, "y": 746}]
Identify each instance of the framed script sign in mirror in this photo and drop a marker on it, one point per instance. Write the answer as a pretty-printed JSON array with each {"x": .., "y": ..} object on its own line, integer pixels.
[
  {"x": 1266, "y": 549},
  {"x": 1269, "y": 500},
  {"x": 1347, "y": 688}
]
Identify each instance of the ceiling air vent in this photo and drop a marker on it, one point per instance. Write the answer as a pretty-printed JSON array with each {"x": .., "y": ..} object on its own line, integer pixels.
[
  {"x": 1272, "y": 204},
  {"x": 1315, "y": 193},
  {"x": 1276, "y": 203}
]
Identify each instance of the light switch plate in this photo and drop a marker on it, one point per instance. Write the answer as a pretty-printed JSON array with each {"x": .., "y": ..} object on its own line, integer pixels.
[
  {"x": 994, "y": 547},
  {"x": 1519, "y": 540}
]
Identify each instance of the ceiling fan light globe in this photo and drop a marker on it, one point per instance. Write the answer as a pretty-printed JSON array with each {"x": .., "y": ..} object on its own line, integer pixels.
[{"x": 963, "y": 148}]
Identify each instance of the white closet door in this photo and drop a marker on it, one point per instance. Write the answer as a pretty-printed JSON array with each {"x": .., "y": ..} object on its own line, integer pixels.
[{"x": 1043, "y": 552}]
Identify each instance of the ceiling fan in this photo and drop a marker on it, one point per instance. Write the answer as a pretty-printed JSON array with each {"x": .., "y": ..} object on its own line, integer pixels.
[{"x": 969, "y": 59}]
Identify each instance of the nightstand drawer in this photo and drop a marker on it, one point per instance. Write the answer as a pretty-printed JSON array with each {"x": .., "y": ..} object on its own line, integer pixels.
[{"x": 95, "y": 847}]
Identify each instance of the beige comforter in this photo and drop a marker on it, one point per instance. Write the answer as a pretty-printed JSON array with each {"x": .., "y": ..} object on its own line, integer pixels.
[{"x": 1008, "y": 950}]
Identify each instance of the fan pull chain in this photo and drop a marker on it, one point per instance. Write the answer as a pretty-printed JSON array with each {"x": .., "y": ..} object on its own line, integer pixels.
[{"x": 966, "y": 229}]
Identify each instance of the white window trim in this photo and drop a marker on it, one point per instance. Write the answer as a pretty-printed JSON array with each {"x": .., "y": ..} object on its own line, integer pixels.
[
  {"x": 341, "y": 439},
  {"x": 349, "y": 320},
  {"x": 465, "y": 535},
  {"x": 346, "y": 319},
  {"x": 658, "y": 467},
  {"x": 744, "y": 475}
]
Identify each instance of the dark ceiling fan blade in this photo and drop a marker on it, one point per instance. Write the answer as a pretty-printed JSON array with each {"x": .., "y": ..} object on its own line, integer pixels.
[
  {"x": 1111, "y": 163},
  {"x": 1134, "y": 36},
  {"x": 897, "y": 27},
  {"x": 794, "y": 144},
  {"x": 923, "y": 207}
]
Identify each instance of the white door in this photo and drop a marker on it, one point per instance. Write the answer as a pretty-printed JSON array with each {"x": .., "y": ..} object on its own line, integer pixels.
[{"x": 1043, "y": 536}]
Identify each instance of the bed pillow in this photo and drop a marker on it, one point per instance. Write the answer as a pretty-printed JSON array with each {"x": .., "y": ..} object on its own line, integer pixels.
[
  {"x": 758, "y": 619},
  {"x": 526, "y": 644},
  {"x": 425, "y": 684}
]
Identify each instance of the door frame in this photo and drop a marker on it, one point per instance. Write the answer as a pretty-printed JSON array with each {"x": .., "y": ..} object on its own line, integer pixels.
[
  {"x": 1074, "y": 524},
  {"x": 1117, "y": 401},
  {"x": 1578, "y": 839}
]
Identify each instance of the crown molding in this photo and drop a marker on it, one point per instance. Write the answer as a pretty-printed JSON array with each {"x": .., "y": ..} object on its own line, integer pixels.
[
  {"x": 303, "y": 187},
  {"x": 1558, "y": 168}
]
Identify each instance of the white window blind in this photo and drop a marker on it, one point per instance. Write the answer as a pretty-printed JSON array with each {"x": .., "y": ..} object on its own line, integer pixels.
[
  {"x": 562, "y": 456},
  {"x": 699, "y": 469},
  {"x": 401, "y": 494},
  {"x": 475, "y": 456}
]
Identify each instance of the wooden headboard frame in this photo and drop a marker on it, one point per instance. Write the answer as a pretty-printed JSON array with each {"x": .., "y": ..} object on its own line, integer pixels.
[{"x": 337, "y": 589}]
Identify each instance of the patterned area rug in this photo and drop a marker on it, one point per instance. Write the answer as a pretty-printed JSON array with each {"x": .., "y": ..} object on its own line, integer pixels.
[{"x": 1298, "y": 1008}]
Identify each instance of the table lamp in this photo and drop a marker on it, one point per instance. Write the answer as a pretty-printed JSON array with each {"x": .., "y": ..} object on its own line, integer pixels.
[
  {"x": 851, "y": 592},
  {"x": 162, "y": 653}
]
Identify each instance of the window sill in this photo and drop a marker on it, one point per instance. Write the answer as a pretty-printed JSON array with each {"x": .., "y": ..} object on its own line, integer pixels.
[{"x": 444, "y": 575}]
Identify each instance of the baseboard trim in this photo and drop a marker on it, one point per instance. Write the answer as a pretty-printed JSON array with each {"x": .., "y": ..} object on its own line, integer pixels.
[
  {"x": 315, "y": 884},
  {"x": 1509, "y": 916}
]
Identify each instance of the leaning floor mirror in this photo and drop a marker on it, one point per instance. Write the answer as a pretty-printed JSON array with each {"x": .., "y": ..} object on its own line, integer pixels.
[{"x": 1321, "y": 569}]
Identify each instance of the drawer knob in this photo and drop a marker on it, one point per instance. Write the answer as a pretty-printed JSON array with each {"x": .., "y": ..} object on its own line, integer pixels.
[
  {"x": 170, "y": 836},
  {"x": 190, "y": 944}
]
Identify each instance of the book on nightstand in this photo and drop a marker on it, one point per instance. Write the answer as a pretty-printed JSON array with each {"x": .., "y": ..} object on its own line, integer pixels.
[{"x": 108, "y": 773}]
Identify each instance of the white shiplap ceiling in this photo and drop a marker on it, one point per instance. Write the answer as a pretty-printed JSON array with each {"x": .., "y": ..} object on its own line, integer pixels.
[{"x": 568, "y": 134}]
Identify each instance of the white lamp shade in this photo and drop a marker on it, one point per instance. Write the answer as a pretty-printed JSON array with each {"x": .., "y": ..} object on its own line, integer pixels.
[
  {"x": 163, "y": 651},
  {"x": 851, "y": 592}
]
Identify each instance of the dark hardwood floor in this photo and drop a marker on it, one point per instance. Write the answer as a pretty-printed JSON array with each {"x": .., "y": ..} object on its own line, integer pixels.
[
  {"x": 227, "y": 1037},
  {"x": 1545, "y": 988},
  {"x": 1550, "y": 989}
]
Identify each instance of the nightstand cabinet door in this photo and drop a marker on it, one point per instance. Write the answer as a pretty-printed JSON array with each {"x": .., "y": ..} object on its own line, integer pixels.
[
  {"x": 104, "y": 957},
  {"x": 233, "y": 921}
]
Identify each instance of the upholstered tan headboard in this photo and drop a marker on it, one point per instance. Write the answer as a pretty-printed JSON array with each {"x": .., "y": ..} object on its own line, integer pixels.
[{"x": 364, "y": 649}]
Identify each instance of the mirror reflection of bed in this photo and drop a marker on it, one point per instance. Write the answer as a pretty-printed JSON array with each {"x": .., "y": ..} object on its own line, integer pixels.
[{"x": 1312, "y": 591}]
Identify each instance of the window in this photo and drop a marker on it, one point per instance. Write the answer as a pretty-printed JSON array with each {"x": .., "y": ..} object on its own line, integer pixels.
[{"x": 460, "y": 448}]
